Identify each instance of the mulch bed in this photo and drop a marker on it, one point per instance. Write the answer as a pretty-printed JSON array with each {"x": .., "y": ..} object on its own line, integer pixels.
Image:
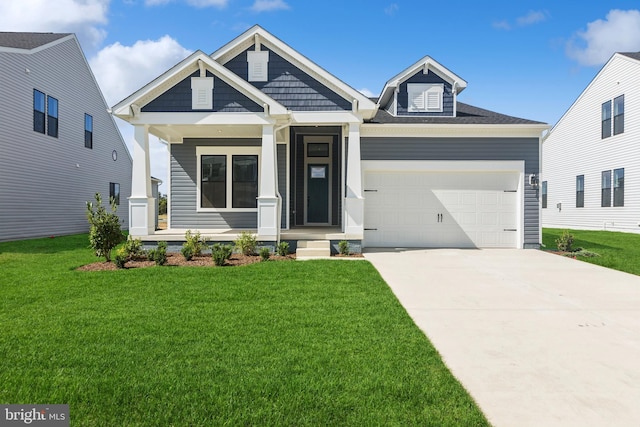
[{"x": 177, "y": 260}]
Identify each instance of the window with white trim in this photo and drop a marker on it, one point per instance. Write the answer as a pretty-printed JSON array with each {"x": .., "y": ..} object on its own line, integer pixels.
[
  {"x": 258, "y": 63},
  {"x": 424, "y": 97},
  {"x": 228, "y": 178}
]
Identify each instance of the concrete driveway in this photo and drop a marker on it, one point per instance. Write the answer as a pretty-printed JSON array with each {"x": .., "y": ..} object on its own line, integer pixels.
[{"x": 536, "y": 338}]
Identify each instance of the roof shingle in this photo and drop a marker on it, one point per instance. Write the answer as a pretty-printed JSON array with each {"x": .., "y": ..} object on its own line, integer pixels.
[
  {"x": 633, "y": 55},
  {"x": 28, "y": 40}
]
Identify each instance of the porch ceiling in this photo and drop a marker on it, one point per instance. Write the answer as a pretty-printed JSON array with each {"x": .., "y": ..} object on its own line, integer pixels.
[{"x": 176, "y": 133}]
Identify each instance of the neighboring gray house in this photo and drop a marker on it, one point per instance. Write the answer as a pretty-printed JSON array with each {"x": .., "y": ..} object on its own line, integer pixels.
[
  {"x": 59, "y": 145},
  {"x": 263, "y": 139}
]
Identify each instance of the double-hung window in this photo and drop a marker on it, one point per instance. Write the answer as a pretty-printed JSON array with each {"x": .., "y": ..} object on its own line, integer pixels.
[
  {"x": 114, "y": 192},
  {"x": 606, "y": 189},
  {"x": 544, "y": 194},
  {"x": 618, "y": 115},
  {"x": 52, "y": 116},
  {"x": 228, "y": 178},
  {"x": 580, "y": 191},
  {"x": 39, "y": 111},
  {"x": 618, "y": 187},
  {"x": 88, "y": 131},
  {"x": 606, "y": 119}
]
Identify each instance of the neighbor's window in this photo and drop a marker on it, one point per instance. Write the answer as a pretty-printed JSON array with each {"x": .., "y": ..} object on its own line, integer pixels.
[
  {"x": 52, "y": 116},
  {"x": 213, "y": 181},
  {"x": 618, "y": 115},
  {"x": 580, "y": 191},
  {"x": 618, "y": 187},
  {"x": 244, "y": 187},
  {"x": 606, "y": 119},
  {"x": 88, "y": 131},
  {"x": 544, "y": 194},
  {"x": 114, "y": 192},
  {"x": 38, "y": 111},
  {"x": 606, "y": 189}
]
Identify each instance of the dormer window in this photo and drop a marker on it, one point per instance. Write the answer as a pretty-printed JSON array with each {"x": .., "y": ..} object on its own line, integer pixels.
[
  {"x": 201, "y": 93},
  {"x": 258, "y": 63},
  {"x": 425, "y": 98}
]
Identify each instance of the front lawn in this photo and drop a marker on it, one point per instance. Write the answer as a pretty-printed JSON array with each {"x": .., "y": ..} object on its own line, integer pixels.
[
  {"x": 619, "y": 251},
  {"x": 275, "y": 343}
]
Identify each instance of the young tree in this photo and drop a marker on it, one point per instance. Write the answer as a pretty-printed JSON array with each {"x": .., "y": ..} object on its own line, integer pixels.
[{"x": 105, "y": 233}]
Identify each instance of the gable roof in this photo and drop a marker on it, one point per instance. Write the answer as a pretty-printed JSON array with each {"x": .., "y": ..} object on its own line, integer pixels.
[
  {"x": 427, "y": 63},
  {"x": 259, "y": 34},
  {"x": 466, "y": 114},
  {"x": 28, "y": 41},
  {"x": 181, "y": 71}
]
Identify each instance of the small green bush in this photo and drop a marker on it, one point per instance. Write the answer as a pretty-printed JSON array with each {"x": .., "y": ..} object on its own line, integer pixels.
[
  {"x": 105, "y": 233},
  {"x": 282, "y": 249},
  {"x": 193, "y": 246},
  {"x": 246, "y": 243},
  {"x": 264, "y": 253},
  {"x": 159, "y": 255},
  {"x": 343, "y": 247},
  {"x": 221, "y": 253},
  {"x": 565, "y": 242},
  {"x": 121, "y": 257},
  {"x": 133, "y": 248}
]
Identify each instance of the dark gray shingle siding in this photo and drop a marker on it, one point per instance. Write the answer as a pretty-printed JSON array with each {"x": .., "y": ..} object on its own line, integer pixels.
[{"x": 291, "y": 86}]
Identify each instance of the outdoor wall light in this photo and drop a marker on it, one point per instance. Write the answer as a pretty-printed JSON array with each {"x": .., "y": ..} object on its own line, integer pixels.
[{"x": 534, "y": 181}]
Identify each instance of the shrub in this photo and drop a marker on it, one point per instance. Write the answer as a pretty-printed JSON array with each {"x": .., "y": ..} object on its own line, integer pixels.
[
  {"x": 159, "y": 255},
  {"x": 221, "y": 253},
  {"x": 187, "y": 252},
  {"x": 105, "y": 233},
  {"x": 565, "y": 241},
  {"x": 246, "y": 243},
  {"x": 283, "y": 248},
  {"x": 121, "y": 257},
  {"x": 133, "y": 248},
  {"x": 264, "y": 253},
  {"x": 343, "y": 247},
  {"x": 195, "y": 242}
]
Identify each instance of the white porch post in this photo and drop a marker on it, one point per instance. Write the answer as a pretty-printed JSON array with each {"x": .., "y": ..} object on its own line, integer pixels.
[
  {"x": 141, "y": 202},
  {"x": 354, "y": 202},
  {"x": 268, "y": 198}
]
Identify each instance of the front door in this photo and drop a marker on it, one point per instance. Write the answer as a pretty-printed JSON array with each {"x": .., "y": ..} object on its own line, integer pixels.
[{"x": 317, "y": 193}]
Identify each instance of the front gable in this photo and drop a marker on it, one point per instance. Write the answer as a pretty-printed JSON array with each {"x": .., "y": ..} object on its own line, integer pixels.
[
  {"x": 289, "y": 85},
  {"x": 421, "y": 78}
]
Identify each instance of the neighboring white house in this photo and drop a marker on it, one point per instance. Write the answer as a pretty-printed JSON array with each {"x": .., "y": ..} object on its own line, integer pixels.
[
  {"x": 58, "y": 145},
  {"x": 591, "y": 157},
  {"x": 261, "y": 138}
]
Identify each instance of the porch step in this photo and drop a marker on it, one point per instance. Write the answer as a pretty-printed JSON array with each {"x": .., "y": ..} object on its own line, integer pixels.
[{"x": 308, "y": 249}]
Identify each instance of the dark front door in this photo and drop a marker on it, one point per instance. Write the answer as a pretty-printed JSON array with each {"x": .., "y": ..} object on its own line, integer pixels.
[{"x": 318, "y": 193}]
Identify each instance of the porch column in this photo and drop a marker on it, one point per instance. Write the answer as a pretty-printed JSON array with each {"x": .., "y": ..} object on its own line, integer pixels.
[
  {"x": 268, "y": 198},
  {"x": 141, "y": 202},
  {"x": 354, "y": 202}
]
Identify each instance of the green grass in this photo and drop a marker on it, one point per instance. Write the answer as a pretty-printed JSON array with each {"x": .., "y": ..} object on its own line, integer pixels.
[
  {"x": 274, "y": 344},
  {"x": 619, "y": 251}
]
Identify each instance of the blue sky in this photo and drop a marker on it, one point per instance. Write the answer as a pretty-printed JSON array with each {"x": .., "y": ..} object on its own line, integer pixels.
[{"x": 529, "y": 59}]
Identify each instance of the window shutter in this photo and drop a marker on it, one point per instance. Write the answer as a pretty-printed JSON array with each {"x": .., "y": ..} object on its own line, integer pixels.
[{"x": 434, "y": 100}]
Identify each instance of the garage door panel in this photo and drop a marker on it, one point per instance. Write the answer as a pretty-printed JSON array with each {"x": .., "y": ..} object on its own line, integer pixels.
[{"x": 436, "y": 210}]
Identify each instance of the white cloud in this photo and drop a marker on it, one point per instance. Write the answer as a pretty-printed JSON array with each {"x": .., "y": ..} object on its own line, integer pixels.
[
  {"x": 121, "y": 70},
  {"x": 86, "y": 18},
  {"x": 269, "y": 5},
  {"x": 618, "y": 32},
  {"x": 532, "y": 17},
  {"x": 391, "y": 9},
  {"x": 366, "y": 92}
]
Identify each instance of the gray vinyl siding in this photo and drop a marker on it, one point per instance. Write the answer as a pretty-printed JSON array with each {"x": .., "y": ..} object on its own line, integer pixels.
[
  {"x": 47, "y": 181},
  {"x": 225, "y": 98},
  {"x": 526, "y": 149},
  {"x": 282, "y": 180},
  {"x": 420, "y": 77},
  {"x": 291, "y": 86},
  {"x": 183, "y": 187}
]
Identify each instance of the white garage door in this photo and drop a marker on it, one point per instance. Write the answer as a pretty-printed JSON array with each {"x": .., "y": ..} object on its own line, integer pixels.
[{"x": 456, "y": 209}]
